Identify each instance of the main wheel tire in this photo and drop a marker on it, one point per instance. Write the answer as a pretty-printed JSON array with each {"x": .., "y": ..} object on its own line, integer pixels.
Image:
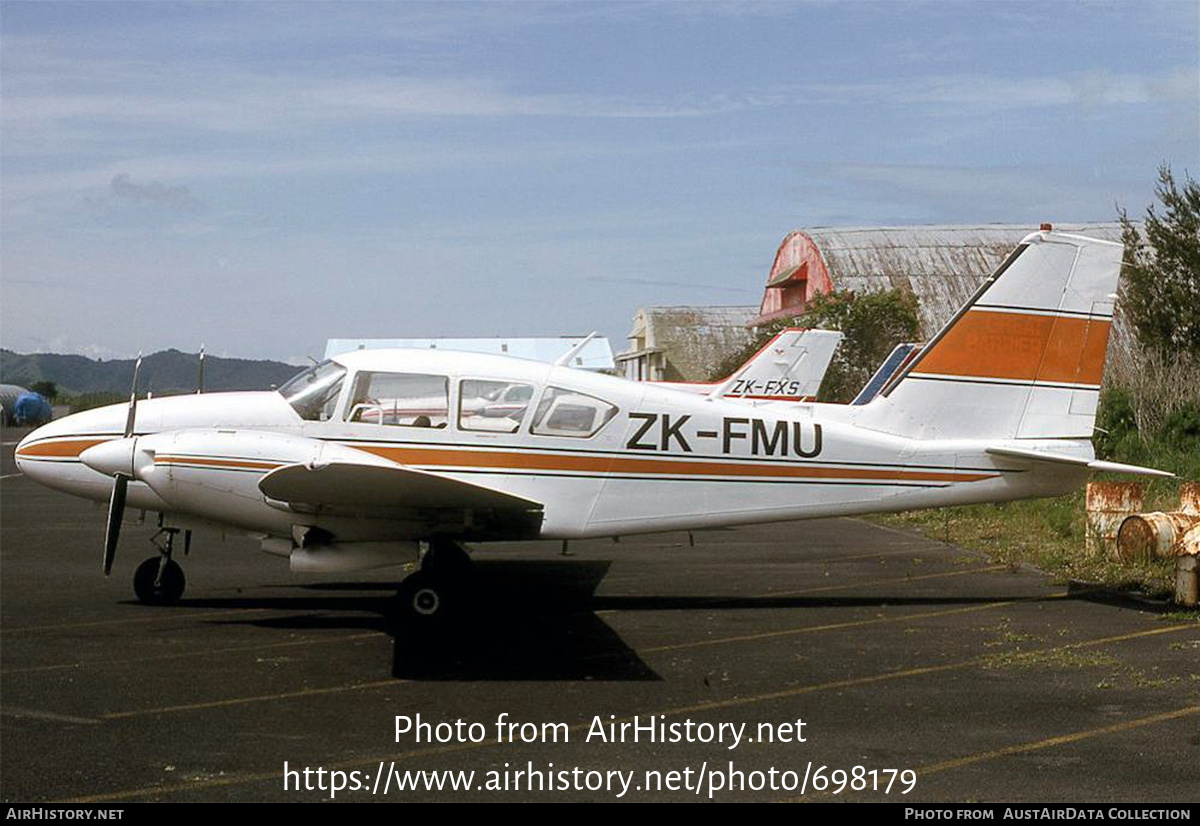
[
  {"x": 425, "y": 600},
  {"x": 168, "y": 589}
]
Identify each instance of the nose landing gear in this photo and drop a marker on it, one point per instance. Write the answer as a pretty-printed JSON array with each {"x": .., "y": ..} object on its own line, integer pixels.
[{"x": 160, "y": 580}]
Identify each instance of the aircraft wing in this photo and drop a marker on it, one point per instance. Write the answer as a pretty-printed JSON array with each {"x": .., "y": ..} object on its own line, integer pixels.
[{"x": 343, "y": 484}]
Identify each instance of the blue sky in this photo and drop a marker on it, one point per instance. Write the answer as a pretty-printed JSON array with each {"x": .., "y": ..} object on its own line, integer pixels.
[{"x": 263, "y": 176}]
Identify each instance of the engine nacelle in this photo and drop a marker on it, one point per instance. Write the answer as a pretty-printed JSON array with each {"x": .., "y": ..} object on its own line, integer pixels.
[
  {"x": 352, "y": 556},
  {"x": 214, "y": 474}
]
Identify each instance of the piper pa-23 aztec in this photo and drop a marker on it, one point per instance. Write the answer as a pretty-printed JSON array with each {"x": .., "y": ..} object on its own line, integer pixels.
[{"x": 360, "y": 461}]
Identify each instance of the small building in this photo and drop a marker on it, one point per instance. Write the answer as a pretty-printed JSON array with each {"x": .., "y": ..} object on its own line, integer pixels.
[
  {"x": 941, "y": 265},
  {"x": 597, "y": 355},
  {"x": 683, "y": 343}
]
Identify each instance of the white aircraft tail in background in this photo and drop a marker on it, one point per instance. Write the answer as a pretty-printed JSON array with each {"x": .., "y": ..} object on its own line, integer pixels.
[{"x": 788, "y": 368}]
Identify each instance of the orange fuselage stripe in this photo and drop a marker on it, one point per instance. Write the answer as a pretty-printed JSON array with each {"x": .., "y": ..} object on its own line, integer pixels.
[
  {"x": 519, "y": 460},
  {"x": 1021, "y": 346},
  {"x": 248, "y": 464},
  {"x": 69, "y": 448},
  {"x": 523, "y": 460}
]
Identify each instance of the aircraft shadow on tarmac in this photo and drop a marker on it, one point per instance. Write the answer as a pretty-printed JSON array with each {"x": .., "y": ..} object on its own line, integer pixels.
[
  {"x": 528, "y": 620},
  {"x": 525, "y": 620}
]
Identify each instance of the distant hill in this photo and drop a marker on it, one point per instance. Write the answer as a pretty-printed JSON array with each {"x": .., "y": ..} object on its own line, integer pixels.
[{"x": 169, "y": 371}]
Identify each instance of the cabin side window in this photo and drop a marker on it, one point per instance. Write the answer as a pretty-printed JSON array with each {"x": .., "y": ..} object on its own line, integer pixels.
[
  {"x": 399, "y": 399},
  {"x": 492, "y": 406},
  {"x": 563, "y": 412}
]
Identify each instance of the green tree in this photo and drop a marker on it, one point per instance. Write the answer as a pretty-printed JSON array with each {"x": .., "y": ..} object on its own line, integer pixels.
[
  {"x": 1160, "y": 293},
  {"x": 48, "y": 389},
  {"x": 88, "y": 401},
  {"x": 872, "y": 323}
]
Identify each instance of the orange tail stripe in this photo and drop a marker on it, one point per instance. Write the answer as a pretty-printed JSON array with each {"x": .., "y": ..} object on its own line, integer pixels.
[{"x": 1021, "y": 346}]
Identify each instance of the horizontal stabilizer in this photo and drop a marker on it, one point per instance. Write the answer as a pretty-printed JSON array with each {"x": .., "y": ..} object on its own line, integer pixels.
[
  {"x": 369, "y": 485},
  {"x": 1090, "y": 464}
]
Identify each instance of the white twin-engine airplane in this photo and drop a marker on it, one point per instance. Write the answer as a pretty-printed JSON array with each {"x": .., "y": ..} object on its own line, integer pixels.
[{"x": 357, "y": 461}]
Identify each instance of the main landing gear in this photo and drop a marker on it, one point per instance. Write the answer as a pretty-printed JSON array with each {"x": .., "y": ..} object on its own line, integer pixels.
[
  {"x": 160, "y": 580},
  {"x": 439, "y": 590}
]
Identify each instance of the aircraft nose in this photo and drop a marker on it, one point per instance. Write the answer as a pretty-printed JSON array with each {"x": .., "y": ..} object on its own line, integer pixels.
[
  {"x": 22, "y": 452},
  {"x": 50, "y": 454},
  {"x": 111, "y": 457},
  {"x": 21, "y": 445}
]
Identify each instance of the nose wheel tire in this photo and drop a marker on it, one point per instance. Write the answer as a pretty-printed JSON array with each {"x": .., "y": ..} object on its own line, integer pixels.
[{"x": 159, "y": 588}]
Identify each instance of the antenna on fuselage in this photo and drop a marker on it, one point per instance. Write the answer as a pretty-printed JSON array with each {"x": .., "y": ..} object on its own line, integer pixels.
[
  {"x": 200, "y": 372},
  {"x": 565, "y": 359}
]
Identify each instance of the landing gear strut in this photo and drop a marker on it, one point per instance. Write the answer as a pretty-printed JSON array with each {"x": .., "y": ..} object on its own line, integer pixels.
[
  {"x": 160, "y": 580},
  {"x": 432, "y": 595}
]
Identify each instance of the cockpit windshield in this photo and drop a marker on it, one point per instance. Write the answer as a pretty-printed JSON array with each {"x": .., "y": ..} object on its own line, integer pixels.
[{"x": 314, "y": 393}]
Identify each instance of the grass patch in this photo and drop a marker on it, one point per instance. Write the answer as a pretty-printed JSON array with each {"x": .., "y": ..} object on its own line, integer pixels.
[
  {"x": 1184, "y": 615},
  {"x": 1050, "y": 535},
  {"x": 1061, "y": 657}
]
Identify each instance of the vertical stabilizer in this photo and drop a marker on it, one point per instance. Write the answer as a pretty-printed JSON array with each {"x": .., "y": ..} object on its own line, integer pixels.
[
  {"x": 788, "y": 368},
  {"x": 1023, "y": 359}
]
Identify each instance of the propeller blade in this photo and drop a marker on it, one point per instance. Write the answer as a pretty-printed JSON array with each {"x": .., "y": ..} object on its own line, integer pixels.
[
  {"x": 116, "y": 504},
  {"x": 137, "y": 367},
  {"x": 116, "y": 512}
]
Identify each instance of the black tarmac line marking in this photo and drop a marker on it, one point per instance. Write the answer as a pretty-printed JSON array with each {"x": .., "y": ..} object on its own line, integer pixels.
[{"x": 274, "y": 776}]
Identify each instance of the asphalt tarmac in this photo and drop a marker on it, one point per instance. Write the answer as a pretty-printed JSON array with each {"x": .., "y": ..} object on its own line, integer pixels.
[{"x": 897, "y": 652}]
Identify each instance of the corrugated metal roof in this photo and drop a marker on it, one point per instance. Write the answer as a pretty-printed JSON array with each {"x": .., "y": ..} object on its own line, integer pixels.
[
  {"x": 941, "y": 265},
  {"x": 714, "y": 316}
]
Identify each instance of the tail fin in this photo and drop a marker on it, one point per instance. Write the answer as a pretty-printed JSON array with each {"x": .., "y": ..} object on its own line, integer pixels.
[
  {"x": 789, "y": 367},
  {"x": 1023, "y": 359}
]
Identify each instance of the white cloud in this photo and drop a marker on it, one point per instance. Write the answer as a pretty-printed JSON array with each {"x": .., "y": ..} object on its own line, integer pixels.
[
  {"x": 933, "y": 193},
  {"x": 1084, "y": 89},
  {"x": 212, "y": 98}
]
